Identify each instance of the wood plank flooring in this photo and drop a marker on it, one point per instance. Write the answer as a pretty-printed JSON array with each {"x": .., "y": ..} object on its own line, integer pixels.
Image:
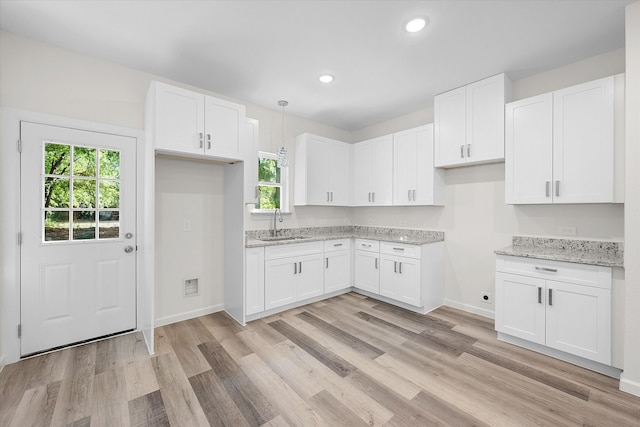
[{"x": 346, "y": 361}]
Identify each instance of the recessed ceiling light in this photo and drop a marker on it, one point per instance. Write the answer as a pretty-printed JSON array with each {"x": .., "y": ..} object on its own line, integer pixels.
[
  {"x": 326, "y": 78},
  {"x": 415, "y": 25}
]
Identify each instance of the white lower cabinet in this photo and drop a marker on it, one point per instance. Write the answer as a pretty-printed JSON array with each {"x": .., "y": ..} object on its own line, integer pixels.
[
  {"x": 560, "y": 305},
  {"x": 293, "y": 272},
  {"x": 254, "y": 280},
  {"x": 337, "y": 265},
  {"x": 367, "y": 265},
  {"x": 400, "y": 278}
]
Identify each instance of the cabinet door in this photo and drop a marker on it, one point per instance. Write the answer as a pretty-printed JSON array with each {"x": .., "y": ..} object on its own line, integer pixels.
[
  {"x": 450, "y": 127},
  {"x": 310, "y": 277},
  {"x": 254, "y": 280},
  {"x": 381, "y": 171},
  {"x": 367, "y": 276},
  {"x": 222, "y": 121},
  {"x": 528, "y": 151},
  {"x": 404, "y": 167},
  {"x": 179, "y": 120},
  {"x": 485, "y": 119},
  {"x": 389, "y": 276},
  {"x": 252, "y": 137},
  {"x": 520, "y": 307},
  {"x": 583, "y": 142},
  {"x": 318, "y": 162},
  {"x": 337, "y": 271},
  {"x": 579, "y": 320},
  {"x": 280, "y": 282},
  {"x": 409, "y": 281},
  {"x": 337, "y": 169},
  {"x": 362, "y": 160}
]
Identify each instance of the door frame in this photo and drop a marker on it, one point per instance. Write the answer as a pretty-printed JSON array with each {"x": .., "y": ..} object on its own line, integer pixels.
[{"x": 10, "y": 225}]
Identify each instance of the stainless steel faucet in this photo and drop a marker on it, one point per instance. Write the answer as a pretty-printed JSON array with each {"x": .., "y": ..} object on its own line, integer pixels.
[{"x": 277, "y": 215}]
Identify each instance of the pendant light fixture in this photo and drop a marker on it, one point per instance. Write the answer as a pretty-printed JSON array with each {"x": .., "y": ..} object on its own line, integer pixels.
[{"x": 283, "y": 162}]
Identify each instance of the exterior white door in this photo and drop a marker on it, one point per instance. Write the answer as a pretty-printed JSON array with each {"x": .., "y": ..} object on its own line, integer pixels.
[{"x": 78, "y": 216}]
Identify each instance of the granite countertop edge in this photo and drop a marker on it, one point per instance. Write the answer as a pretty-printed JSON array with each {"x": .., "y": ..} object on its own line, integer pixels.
[
  {"x": 254, "y": 243},
  {"x": 603, "y": 259}
]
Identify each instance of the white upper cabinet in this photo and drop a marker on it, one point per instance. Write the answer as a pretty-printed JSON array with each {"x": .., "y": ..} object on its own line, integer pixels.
[
  {"x": 415, "y": 180},
  {"x": 469, "y": 123},
  {"x": 322, "y": 171},
  {"x": 373, "y": 172},
  {"x": 251, "y": 141},
  {"x": 561, "y": 146},
  {"x": 190, "y": 123}
]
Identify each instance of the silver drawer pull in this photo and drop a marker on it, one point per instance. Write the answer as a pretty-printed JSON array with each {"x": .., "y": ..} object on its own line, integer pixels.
[
  {"x": 539, "y": 295},
  {"x": 337, "y": 244},
  {"x": 550, "y": 296},
  {"x": 398, "y": 249},
  {"x": 552, "y": 270},
  {"x": 364, "y": 245}
]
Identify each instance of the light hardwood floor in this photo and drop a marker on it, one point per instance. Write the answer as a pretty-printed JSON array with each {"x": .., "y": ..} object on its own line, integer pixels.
[{"x": 348, "y": 361}]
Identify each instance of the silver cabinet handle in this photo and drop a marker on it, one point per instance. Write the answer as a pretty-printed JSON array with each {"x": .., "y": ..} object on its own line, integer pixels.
[
  {"x": 300, "y": 267},
  {"x": 332, "y": 196},
  {"x": 366, "y": 245},
  {"x": 539, "y": 295},
  {"x": 128, "y": 249},
  {"x": 398, "y": 249},
  {"x": 547, "y": 189},
  {"x": 462, "y": 151},
  {"x": 557, "y": 188},
  {"x": 201, "y": 137},
  {"x": 468, "y": 150},
  {"x": 409, "y": 195},
  {"x": 326, "y": 265},
  {"x": 369, "y": 197},
  {"x": 550, "y": 296},
  {"x": 327, "y": 196},
  {"x": 335, "y": 245},
  {"x": 414, "y": 195},
  {"x": 395, "y": 266},
  {"x": 400, "y": 268},
  {"x": 552, "y": 270},
  {"x": 373, "y": 197},
  {"x": 209, "y": 141},
  {"x": 376, "y": 263},
  {"x": 295, "y": 268}
]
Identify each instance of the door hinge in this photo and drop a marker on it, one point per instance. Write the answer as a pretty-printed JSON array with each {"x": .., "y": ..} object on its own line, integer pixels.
[
  {"x": 19, "y": 238},
  {"x": 19, "y": 145},
  {"x": 19, "y": 330}
]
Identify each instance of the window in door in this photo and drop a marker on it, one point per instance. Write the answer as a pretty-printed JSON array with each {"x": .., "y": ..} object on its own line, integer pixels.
[
  {"x": 81, "y": 193},
  {"x": 272, "y": 183}
]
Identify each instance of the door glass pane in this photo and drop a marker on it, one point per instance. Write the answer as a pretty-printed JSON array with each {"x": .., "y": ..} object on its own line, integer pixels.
[
  {"x": 57, "y": 158},
  {"x": 84, "y": 225},
  {"x": 109, "y": 194},
  {"x": 109, "y": 225},
  {"x": 84, "y": 193},
  {"x": 84, "y": 161},
  {"x": 56, "y": 226},
  {"x": 109, "y": 164},
  {"x": 56, "y": 193}
]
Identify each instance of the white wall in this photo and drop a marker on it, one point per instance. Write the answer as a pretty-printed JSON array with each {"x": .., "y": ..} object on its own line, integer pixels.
[{"x": 630, "y": 380}]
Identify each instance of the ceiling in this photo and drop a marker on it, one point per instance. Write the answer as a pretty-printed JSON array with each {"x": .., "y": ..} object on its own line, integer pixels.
[{"x": 264, "y": 51}]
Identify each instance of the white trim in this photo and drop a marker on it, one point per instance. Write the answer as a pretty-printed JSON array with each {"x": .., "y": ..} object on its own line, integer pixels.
[
  {"x": 1, "y": 362},
  {"x": 470, "y": 308},
  {"x": 10, "y": 224},
  {"x": 629, "y": 386},
  {"x": 174, "y": 318}
]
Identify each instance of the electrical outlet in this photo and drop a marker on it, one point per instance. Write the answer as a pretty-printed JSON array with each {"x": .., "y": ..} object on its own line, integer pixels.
[
  {"x": 566, "y": 230},
  {"x": 486, "y": 297}
]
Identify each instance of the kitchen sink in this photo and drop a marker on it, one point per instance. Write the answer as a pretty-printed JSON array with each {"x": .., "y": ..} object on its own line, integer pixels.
[{"x": 283, "y": 238}]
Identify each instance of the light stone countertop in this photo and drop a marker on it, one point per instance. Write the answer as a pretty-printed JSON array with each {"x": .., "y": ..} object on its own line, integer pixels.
[
  {"x": 315, "y": 234},
  {"x": 592, "y": 252}
]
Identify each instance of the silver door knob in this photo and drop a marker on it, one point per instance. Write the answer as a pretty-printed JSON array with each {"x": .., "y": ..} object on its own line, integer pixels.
[{"x": 128, "y": 249}]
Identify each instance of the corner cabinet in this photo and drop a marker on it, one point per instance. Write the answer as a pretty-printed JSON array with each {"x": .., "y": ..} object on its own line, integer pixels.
[
  {"x": 197, "y": 125},
  {"x": 469, "y": 123},
  {"x": 373, "y": 172},
  {"x": 322, "y": 171},
  {"x": 562, "y": 147},
  {"x": 563, "y": 306},
  {"x": 415, "y": 181}
]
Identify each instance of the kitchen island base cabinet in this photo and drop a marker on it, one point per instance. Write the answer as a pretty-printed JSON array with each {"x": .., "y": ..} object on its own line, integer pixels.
[{"x": 563, "y": 306}]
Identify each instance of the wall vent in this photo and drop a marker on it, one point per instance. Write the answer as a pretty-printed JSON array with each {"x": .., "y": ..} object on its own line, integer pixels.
[{"x": 191, "y": 288}]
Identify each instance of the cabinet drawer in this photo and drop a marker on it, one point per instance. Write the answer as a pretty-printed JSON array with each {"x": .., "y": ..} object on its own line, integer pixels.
[
  {"x": 583, "y": 274},
  {"x": 400, "y": 249},
  {"x": 295, "y": 249},
  {"x": 337, "y": 245},
  {"x": 367, "y": 245}
]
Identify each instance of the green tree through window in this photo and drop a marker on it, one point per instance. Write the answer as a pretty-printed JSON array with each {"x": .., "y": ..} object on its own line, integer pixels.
[{"x": 271, "y": 183}]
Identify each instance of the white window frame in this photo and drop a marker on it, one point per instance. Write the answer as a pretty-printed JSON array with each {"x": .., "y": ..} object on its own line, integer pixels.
[{"x": 284, "y": 184}]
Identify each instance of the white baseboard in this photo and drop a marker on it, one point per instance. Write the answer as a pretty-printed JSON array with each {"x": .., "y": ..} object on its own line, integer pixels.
[
  {"x": 167, "y": 320},
  {"x": 470, "y": 308},
  {"x": 628, "y": 386},
  {"x": 1, "y": 362}
]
